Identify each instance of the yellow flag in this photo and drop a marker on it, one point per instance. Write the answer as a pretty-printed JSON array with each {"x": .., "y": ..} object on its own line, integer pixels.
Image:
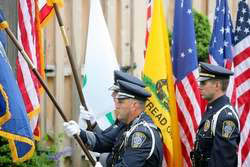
[
  {"x": 58, "y": 2},
  {"x": 158, "y": 77}
]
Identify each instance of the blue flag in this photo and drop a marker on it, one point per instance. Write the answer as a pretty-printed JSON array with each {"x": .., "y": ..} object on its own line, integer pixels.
[
  {"x": 14, "y": 123},
  {"x": 185, "y": 65},
  {"x": 3, "y": 37},
  {"x": 183, "y": 48}
]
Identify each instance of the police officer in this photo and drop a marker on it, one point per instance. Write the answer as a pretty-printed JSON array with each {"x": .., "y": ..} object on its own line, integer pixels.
[
  {"x": 107, "y": 137},
  {"x": 218, "y": 134},
  {"x": 140, "y": 144},
  {"x": 102, "y": 141}
]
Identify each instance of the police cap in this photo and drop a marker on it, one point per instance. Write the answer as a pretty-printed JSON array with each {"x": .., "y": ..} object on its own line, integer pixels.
[
  {"x": 210, "y": 71},
  {"x": 119, "y": 75},
  {"x": 131, "y": 90}
]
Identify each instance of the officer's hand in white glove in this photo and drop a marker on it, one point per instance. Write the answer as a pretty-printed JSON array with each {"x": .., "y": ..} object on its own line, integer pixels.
[
  {"x": 98, "y": 164},
  {"x": 86, "y": 115},
  {"x": 71, "y": 128}
]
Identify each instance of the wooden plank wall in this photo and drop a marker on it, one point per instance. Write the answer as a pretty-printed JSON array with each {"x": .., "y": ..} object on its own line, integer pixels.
[{"x": 11, "y": 17}]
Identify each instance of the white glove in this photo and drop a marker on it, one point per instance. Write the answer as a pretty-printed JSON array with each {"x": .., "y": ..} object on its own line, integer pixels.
[
  {"x": 71, "y": 128},
  {"x": 98, "y": 164},
  {"x": 86, "y": 115}
]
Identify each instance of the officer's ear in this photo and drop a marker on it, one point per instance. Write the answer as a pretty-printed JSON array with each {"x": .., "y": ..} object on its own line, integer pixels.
[
  {"x": 134, "y": 104},
  {"x": 218, "y": 84}
]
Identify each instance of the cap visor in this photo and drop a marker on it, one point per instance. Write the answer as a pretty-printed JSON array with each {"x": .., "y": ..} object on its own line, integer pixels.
[
  {"x": 114, "y": 88},
  {"x": 121, "y": 95},
  {"x": 200, "y": 79}
]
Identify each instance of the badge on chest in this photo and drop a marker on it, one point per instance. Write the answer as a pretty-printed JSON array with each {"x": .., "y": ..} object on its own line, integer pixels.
[{"x": 206, "y": 126}]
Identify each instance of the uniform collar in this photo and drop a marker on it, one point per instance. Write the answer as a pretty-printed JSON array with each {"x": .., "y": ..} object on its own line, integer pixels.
[
  {"x": 136, "y": 120},
  {"x": 139, "y": 118},
  {"x": 218, "y": 103},
  {"x": 213, "y": 107}
]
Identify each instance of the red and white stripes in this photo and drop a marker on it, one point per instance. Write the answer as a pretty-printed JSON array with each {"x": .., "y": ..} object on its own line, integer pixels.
[
  {"x": 242, "y": 82},
  {"x": 28, "y": 36},
  {"x": 148, "y": 23},
  {"x": 189, "y": 112}
]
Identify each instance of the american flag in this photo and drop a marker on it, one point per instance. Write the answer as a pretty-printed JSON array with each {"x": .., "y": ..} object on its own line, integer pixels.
[
  {"x": 242, "y": 78},
  {"x": 185, "y": 66},
  {"x": 47, "y": 11},
  {"x": 221, "y": 48},
  {"x": 29, "y": 36},
  {"x": 148, "y": 24}
]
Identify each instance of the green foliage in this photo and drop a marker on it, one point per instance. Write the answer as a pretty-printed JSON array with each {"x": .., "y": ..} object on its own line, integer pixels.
[
  {"x": 203, "y": 35},
  {"x": 42, "y": 157}
]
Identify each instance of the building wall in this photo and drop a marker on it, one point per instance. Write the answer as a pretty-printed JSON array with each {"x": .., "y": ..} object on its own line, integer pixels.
[
  {"x": 11, "y": 18},
  {"x": 126, "y": 21}
]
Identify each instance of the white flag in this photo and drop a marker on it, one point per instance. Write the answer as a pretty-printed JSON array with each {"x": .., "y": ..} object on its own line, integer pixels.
[{"x": 100, "y": 63}]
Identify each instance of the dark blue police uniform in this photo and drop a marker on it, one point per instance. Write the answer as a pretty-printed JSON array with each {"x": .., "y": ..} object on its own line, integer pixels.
[
  {"x": 218, "y": 134},
  {"x": 103, "y": 141},
  {"x": 107, "y": 138},
  {"x": 136, "y": 146},
  {"x": 216, "y": 144},
  {"x": 141, "y": 143}
]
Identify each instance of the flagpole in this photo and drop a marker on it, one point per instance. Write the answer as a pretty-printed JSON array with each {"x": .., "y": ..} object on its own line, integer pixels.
[
  {"x": 33, "y": 68},
  {"x": 71, "y": 59}
]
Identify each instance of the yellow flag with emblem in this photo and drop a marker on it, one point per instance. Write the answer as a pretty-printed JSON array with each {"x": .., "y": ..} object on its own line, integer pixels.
[{"x": 158, "y": 77}]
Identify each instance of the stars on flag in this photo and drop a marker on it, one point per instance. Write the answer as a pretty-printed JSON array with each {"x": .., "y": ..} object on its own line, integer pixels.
[
  {"x": 190, "y": 50},
  {"x": 243, "y": 22},
  {"x": 189, "y": 11},
  {"x": 221, "y": 43}
]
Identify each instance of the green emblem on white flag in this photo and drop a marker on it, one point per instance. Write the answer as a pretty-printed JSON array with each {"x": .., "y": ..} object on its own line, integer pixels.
[{"x": 100, "y": 63}]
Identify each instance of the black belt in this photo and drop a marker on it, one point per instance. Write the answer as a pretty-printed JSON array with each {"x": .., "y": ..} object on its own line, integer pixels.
[{"x": 199, "y": 159}]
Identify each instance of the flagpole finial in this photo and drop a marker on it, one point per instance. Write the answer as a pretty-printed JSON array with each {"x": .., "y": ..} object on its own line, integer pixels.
[{"x": 3, "y": 23}]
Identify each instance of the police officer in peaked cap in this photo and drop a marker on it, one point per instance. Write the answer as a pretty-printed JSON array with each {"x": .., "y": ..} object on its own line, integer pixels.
[
  {"x": 218, "y": 134},
  {"x": 141, "y": 143},
  {"x": 99, "y": 140}
]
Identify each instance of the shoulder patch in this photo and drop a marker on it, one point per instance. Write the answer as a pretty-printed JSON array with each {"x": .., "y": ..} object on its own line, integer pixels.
[
  {"x": 228, "y": 128},
  {"x": 138, "y": 138}
]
